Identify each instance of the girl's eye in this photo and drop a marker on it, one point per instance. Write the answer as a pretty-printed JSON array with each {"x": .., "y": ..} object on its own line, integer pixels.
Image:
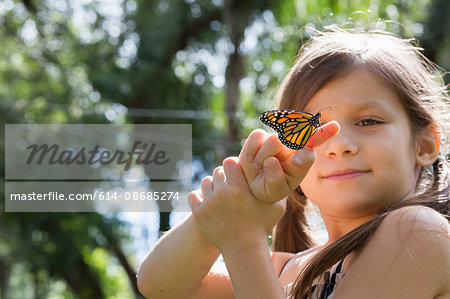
[{"x": 368, "y": 122}]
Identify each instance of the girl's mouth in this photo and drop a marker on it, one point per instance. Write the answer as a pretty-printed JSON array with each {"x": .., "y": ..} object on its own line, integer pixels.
[{"x": 345, "y": 174}]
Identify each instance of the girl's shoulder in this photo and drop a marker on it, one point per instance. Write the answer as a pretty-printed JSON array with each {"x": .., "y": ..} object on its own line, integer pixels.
[
  {"x": 287, "y": 264},
  {"x": 415, "y": 231},
  {"x": 411, "y": 221},
  {"x": 280, "y": 259},
  {"x": 408, "y": 256}
]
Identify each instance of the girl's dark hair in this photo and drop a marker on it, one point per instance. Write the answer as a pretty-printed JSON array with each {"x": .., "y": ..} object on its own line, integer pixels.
[{"x": 419, "y": 86}]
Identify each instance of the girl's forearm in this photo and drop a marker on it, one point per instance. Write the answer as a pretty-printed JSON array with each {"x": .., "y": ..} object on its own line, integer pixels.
[
  {"x": 178, "y": 263},
  {"x": 252, "y": 273}
]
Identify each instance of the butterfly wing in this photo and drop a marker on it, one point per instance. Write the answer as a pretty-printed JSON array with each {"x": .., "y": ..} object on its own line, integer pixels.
[
  {"x": 276, "y": 118},
  {"x": 296, "y": 134},
  {"x": 294, "y": 128}
]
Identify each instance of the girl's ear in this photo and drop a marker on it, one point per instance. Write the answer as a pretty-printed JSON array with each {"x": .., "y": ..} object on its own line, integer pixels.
[{"x": 427, "y": 146}]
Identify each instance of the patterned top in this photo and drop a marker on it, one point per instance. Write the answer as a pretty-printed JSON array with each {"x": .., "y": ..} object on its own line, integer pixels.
[{"x": 320, "y": 290}]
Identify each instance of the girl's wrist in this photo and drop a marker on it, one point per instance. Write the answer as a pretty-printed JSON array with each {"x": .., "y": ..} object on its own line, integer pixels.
[
  {"x": 245, "y": 245},
  {"x": 268, "y": 200},
  {"x": 252, "y": 273}
]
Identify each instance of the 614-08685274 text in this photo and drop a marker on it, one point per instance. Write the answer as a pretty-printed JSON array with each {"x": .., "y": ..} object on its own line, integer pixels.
[
  {"x": 96, "y": 195},
  {"x": 144, "y": 195}
]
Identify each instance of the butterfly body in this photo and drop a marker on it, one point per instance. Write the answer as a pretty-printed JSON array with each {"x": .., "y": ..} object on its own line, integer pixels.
[{"x": 294, "y": 128}]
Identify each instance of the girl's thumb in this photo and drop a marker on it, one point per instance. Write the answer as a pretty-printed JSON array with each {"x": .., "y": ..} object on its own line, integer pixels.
[{"x": 304, "y": 158}]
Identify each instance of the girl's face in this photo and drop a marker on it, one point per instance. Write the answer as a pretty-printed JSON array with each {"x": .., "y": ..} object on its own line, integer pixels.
[{"x": 371, "y": 162}]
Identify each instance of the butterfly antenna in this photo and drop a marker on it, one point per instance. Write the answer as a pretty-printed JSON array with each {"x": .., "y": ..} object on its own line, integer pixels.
[
  {"x": 321, "y": 123},
  {"x": 327, "y": 108}
]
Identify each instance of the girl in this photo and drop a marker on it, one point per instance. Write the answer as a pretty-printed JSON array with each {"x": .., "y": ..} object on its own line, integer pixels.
[{"x": 380, "y": 185}]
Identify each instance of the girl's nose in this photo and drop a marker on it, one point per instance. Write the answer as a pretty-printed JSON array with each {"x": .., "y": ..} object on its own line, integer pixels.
[{"x": 341, "y": 145}]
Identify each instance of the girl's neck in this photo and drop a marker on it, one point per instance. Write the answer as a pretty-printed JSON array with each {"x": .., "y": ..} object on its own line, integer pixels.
[{"x": 338, "y": 227}]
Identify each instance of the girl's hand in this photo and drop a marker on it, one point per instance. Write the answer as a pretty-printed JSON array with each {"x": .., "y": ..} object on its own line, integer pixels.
[
  {"x": 272, "y": 170},
  {"x": 229, "y": 216}
]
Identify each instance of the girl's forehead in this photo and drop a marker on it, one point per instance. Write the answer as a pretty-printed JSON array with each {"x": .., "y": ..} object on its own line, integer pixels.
[{"x": 358, "y": 89}]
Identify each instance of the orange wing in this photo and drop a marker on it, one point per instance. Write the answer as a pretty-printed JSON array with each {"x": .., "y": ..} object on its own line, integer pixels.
[{"x": 294, "y": 128}]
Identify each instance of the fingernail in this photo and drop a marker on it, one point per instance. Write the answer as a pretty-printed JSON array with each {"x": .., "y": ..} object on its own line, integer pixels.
[
  {"x": 269, "y": 163},
  {"x": 296, "y": 160},
  {"x": 303, "y": 157},
  {"x": 249, "y": 158}
]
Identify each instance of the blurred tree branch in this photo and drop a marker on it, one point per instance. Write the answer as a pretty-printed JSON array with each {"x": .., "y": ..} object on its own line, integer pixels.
[
  {"x": 436, "y": 28},
  {"x": 191, "y": 30}
]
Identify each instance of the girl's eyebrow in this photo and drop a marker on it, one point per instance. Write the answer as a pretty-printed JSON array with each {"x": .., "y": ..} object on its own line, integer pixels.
[
  {"x": 373, "y": 104},
  {"x": 359, "y": 105}
]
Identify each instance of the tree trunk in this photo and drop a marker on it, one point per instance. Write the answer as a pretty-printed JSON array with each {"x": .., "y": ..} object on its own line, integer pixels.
[
  {"x": 4, "y": 273},
  {"x": 82, "y": 281},
  {"x": 437, "y": 26},
  {"x": 236, "y": 17},
  {"x": 131, "y": 273}
]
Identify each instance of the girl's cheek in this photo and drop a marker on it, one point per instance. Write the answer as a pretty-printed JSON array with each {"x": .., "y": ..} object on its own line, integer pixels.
[{"x": 307, "y": 185}]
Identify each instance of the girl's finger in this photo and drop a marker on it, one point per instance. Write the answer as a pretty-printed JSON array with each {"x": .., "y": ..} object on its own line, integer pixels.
[
  {"x": 271, "y": 147},
  {"x": 248, "y": 152},
  {"x": 305, "y": 157},
  {"x": 275, "y": 183},
  {"x": 194, "y": 201},
  {"x": 324, "y": 133},
  {"x": 233, "y": 172},
  {"x": 252, "y": 145},
  {"x": 207, "y": 186},
  {"x": 218, "y": 177}
]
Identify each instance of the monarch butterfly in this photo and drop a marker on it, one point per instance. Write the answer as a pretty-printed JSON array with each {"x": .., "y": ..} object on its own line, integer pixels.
[{"x": 294, "y": 128}]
